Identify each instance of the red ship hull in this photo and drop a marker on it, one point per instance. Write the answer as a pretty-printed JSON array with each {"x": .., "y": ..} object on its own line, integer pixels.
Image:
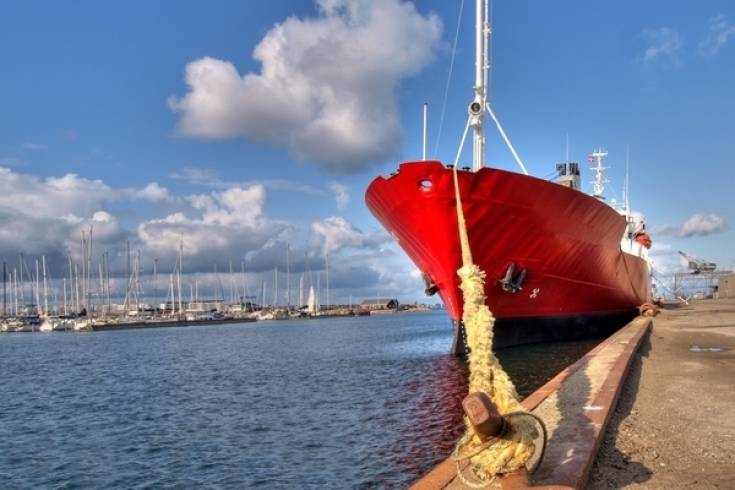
[{"x": 568, "y": 242}]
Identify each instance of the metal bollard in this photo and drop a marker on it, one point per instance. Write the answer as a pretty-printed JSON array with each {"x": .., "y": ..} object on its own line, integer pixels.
[{"x": 483, "y": 415}]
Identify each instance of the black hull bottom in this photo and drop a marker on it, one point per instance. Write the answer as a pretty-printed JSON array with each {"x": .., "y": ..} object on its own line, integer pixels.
[{"x": 510, "y": 332}]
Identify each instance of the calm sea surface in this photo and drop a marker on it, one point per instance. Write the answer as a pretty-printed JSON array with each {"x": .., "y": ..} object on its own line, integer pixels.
[{"x": 366, "y": 402}]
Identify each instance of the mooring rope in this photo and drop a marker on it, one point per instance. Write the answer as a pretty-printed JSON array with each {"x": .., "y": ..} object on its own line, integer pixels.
[{"x": 513, "y": 449}]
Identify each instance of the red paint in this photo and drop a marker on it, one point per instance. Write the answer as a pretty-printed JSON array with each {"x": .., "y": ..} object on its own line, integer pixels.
[{"x": 568, "y": 241}]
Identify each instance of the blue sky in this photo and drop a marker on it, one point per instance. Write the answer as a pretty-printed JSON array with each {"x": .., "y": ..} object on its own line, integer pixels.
[{"x": 97, "y": 116}]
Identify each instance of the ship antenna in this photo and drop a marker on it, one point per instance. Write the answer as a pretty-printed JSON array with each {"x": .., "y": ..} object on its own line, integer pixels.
[
  {"x": 598, "y": 185},
  {"x": 625, "y": 187},
  {"x": 423, "y": 152}
]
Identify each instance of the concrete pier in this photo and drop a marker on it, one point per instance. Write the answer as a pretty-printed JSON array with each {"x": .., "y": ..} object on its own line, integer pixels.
[
  {"x": 674, "y": 424},
  {"x": 575, "y": 406}
]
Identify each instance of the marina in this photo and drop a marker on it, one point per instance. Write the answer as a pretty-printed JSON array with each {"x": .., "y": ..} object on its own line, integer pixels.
[
  {"x": 83, "y": 324},
  {"x": 234, "y": 256},
  {"x": 33, "y": 303}
]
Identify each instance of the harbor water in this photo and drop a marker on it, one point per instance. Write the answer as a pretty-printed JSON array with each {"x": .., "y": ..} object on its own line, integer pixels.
[{"x": 357, "y": 402}]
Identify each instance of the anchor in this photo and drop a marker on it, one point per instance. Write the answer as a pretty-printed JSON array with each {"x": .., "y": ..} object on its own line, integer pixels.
[
  {"x": 431, "y": 287},
  {"x": 512, "y": 283}
]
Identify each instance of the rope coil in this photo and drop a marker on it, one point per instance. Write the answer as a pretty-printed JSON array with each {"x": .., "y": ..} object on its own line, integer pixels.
[{"x": 513, "y": 448}]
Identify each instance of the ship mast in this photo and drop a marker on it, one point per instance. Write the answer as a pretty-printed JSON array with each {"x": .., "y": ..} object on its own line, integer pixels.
[
  {"x": 477, "y": 107},
  {"x": 480, "y": 103}
]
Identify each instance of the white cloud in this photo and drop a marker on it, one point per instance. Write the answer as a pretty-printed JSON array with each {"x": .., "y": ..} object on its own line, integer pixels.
[
  {"x": 721, "y": 29},
  {"x": 341, "y": 195},
  {"x": 151, "y": 192},
  {"x": 664, "y": 44},
  {"x": 53, "y": 196},
  {"x": 335, "y": 233},
  {"x": 702, "y": 224},
  {"x": 47, "y": 216},
  {"x": 229, "y": 222},
  {"x": 327, "y": 85},
  {"x": 698, "y": 225}
]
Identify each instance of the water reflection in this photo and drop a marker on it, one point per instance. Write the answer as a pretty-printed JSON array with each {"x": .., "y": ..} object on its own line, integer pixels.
[
  {"x": 435, "y": 424},
  {"x": 428, "y": 435},
  {"x": 531, "y": 366}
]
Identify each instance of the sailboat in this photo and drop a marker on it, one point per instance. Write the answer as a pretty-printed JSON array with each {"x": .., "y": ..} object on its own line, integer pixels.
[
  {"x": 311, "y": 302},
  {"x": 559, "y": 263}
]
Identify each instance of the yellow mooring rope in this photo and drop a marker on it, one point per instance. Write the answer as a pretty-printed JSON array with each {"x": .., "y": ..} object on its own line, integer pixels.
[{"x": 515, "y": 447}]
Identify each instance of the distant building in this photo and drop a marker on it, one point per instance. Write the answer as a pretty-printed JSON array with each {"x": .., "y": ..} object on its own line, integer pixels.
[
  {"x": 726, "y": 287},
  {"x": 379, "y": 304},
  {"x": 201, "y": 305}
]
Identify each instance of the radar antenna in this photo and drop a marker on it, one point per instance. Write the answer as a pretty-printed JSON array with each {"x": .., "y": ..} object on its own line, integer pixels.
[{"x": 598, "y": 185}]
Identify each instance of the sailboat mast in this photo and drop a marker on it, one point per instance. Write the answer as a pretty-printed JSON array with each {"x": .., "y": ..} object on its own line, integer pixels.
[
  {"x": 171, "y": 293},
  {"x": 71, "y": 281},
  {"x": 38, "y": 291},
  {"x": 326, "y": 267},
  {"x": 101, "y": 294},
  {"x": 89, "y": 269},
  {"x": 155, "y": 283},
  {"x": 15, "y": 290},
  {"x": 181, "y": 266},
  {"x": 138, "y": 289},
  {"x": 21, "y": 283},
  {"x": 477, "y": 107},
  {"x": 288, "y": 278},
  {"x": 45, "y": 287},
  {"x": 5, "y": 291},
  {"x": 107, "y": 281},
  {"x": 76, "y": 289},
  {"x": 232, "y": 286},
  {"x": 245, "y": 293}
]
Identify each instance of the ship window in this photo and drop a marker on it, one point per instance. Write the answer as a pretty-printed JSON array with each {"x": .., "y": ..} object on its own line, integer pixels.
[{"x": 425, "y": 184}]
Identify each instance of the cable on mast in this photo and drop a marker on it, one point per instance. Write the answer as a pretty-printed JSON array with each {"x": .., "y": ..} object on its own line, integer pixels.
[
  {"x": 449, "y": 79},
  {"x": 506, "y": 139}
]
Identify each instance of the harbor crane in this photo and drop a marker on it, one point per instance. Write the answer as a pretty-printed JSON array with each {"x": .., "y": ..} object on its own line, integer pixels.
[{"x": 697, "y": 266}]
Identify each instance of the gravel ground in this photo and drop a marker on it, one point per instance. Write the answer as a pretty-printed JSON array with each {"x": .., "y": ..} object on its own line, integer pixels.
[{"x": 674, "y": 425}]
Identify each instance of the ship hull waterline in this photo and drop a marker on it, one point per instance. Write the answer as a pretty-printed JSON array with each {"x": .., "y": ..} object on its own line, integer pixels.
[{"x": 578, "y": 282}]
